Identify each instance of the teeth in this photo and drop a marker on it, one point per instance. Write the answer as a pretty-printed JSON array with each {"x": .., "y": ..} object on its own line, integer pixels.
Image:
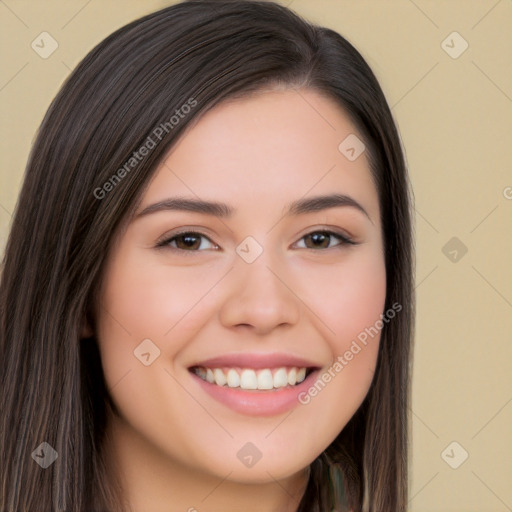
[
  {"x": 233, "y": 378},
  {"x": 220, "y": 378},
  {"x": 248, "y": 380},
  {"x": 264, "y": 379},
  {"x": 201, "y": 372},
  {"x": 281, "y": 378}
]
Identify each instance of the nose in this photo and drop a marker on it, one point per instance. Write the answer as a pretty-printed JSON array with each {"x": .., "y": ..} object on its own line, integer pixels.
[{"x": 260, "y": 297}]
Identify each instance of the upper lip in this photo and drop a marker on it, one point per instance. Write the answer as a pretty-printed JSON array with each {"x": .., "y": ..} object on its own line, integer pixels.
[{"x": 256, "y": 360}]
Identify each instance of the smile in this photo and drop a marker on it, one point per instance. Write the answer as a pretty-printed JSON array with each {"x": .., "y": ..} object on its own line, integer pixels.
[
  {"x": 254, "y": 383},
  {"x": 264, "y": 379}
]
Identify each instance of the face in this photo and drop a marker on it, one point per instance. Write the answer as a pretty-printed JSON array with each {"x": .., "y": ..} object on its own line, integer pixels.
[{"x": 228, "y": 334}]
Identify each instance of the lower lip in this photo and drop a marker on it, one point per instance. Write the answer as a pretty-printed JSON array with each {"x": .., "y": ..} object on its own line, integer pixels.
[{"x": 257, "y": 403}]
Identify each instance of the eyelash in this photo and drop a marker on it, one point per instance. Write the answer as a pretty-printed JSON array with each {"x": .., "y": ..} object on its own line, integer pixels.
[{"x": 164, "y": 244}]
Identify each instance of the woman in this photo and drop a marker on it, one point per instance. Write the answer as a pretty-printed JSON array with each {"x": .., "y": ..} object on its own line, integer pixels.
[{"x": 206, "y": 296}]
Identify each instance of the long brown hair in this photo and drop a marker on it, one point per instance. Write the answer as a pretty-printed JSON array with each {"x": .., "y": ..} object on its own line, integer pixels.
[{"x": 52, "y": 385}]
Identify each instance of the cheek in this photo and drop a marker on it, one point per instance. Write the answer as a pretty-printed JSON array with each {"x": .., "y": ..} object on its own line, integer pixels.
[
  {"x": 361, "y": 299},
  {"x": 133, "y": 306},
  {"x": 348, "y": 297},
  {"x": 348, "y": 307},
  {"x": 141, "y": 301},
  {"x": 149, "y": 301}
]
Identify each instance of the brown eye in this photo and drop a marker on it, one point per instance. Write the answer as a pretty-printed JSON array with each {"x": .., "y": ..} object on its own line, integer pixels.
[
  {"x": 322, "y": 239},
  {"x": 190, "y": 241}
]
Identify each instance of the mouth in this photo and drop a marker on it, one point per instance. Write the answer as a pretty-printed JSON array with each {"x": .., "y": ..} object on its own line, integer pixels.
[
  {"x": 250, "y": 379},
  {"x": 255, "y": 383}
]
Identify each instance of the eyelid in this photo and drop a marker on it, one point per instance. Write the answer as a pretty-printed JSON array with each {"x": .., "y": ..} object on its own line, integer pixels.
[
  {"x": 163, "y": 241},
  {"x": 343, "y": 234},
  {"x": 344, "y": 238}
]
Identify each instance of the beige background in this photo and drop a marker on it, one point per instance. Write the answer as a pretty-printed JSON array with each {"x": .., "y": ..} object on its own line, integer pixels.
[{"x": 455, "y": 117}]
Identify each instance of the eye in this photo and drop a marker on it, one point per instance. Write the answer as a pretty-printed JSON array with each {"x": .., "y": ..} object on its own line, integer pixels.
[
  {"x": 321, "y": 239},
  {"x": 187, "y": 241},
  {"x": 192, "y": 241}
]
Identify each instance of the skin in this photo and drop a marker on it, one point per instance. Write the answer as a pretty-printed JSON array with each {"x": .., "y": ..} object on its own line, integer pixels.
[{"x": 175, "y": 446}]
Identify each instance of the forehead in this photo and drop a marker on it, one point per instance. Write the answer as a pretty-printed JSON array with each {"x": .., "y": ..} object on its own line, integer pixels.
[{"x": 269, "y": 148}]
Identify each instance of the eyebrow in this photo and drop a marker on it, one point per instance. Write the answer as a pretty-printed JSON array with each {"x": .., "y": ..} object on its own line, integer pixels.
[{"x": 222, "y": 210}]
